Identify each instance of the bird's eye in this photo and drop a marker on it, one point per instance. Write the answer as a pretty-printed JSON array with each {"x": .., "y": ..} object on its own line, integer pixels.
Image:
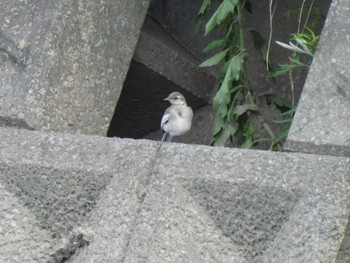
[{"x": 177, "y": 98}]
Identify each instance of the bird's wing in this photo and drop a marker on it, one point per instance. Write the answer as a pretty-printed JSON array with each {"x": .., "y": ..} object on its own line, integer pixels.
[{"x": 165, "y": 117}]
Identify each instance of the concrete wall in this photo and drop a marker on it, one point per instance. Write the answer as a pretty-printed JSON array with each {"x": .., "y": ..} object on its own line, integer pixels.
[{"x": 63, "y": 63}]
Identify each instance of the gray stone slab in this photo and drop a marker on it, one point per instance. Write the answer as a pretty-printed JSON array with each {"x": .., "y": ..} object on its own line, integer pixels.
[
  {"x": 228, "y": 205},
  {"x": 63, "y": 63},
  {"x": 95, "y": 199},
  {"x": 78, "y": 191},
  {"x": 321, "y": 124}
]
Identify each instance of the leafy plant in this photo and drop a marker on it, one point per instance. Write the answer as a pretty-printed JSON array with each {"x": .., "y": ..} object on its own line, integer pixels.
[
  {"x": 235, "y": 101},
  {"x": 303, "y": 46}
]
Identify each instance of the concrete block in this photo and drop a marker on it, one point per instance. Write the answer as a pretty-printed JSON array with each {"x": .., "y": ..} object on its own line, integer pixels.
[
  {"x": 60, "y": 182},
  {"x": 321, "y": 124},
  {"x": 228, "y": 205},
  {"x": 63, "y": 63},
  {"x": 84, "y": 199}
]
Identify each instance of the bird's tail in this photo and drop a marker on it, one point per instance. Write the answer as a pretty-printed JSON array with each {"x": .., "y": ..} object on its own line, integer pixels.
[{"x": 166, "y": 137}]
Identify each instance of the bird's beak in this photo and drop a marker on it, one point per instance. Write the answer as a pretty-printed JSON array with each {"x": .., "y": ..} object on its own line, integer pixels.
[{"x": 167, "y": 99}]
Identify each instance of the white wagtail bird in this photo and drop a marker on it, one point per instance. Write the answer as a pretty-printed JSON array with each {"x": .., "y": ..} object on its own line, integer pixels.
[{"x": 177, "y": 119}]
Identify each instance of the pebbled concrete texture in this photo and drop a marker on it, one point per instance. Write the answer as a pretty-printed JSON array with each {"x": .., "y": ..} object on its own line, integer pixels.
[
  {"x": 321, "y": 124},
  {"x": 58, "y": 179},
  {"x": 22, "y": 240},
  {"x": 94, "y": 199},
  {"x": 62, "y": 60},
  {"x": 226, "y": 205}
]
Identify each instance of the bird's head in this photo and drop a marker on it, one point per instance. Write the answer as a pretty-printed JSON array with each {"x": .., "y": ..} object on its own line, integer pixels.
[{"x": 176, "y": 98}]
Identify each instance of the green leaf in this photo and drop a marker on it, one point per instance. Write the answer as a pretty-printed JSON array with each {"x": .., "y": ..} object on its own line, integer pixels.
[
  {"x": 290, "y": 112},
  {"x": 283, "y": 121},
  {"x": 297, "y": 63},
  {"x": 282, "y": 135},
  {"x": 241, "y": 109},
  {"x": 280, "y": 102},
  {"x": 218, "y": 123},
  {"x": 205, "y": 5},
  {"x": 229, "y": 130},
  {"x": 214, "y": 44},
  {"x": 214, "y": 59},
  {"x": 202, "y": 11},
  {"x": 235, "y": 66},
  {"x": 198, "y": 22},
  {"x": 232, "y": 73},
  {"x": 226, "y": 7},
  {"x": 295, "y": 48},
  {"x": 222, "y": 110},
  {"x": 247, "y": 144}
]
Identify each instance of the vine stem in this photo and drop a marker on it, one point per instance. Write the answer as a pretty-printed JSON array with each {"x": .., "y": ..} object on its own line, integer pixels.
[
  {"x": 294, "y": 53},
  {"x": 240, "y": 26},
  {"x": 272, "y": 13}
]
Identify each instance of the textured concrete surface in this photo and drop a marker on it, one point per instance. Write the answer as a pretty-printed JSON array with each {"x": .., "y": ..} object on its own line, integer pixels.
[
  {"x": 225, "y": 205},
  {"x": 54, "y": 182},
  {"x": 63, "y": 64},
  {"x": 94, "y": 199},
  {"x": 321, "y": 124},
  {"x": 21, "y": 238}
]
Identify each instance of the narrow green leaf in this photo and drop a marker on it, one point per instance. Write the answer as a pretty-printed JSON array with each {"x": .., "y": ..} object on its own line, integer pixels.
[
  {"x": 214, "y": 59},
  {"x": 226, "y": 7},
  {"x": 247, "y": 144},
  {"x": 223, "y": 94},
  {"x": 282, "y": 135},
  {"x": 222, "y": 110},
  {"x": 283, "y": 121},
  {"x": 293, "y": 47},
  {"x": 229, "y": 130},
  {"x": 204, "y": 7},
  {"x": 235, "y": 67},
  {"x": 198, "y": 23},
  {"x": 290, "y": 112},
  {"x": 241, "y": 109},
  {"x": 296, "y": 61},
  {"x": 218, "y": 123},
  {"x": 214, "y": 44},
  {"x": 232, "y": 73},
  {"x": 202, "y": 11}
]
